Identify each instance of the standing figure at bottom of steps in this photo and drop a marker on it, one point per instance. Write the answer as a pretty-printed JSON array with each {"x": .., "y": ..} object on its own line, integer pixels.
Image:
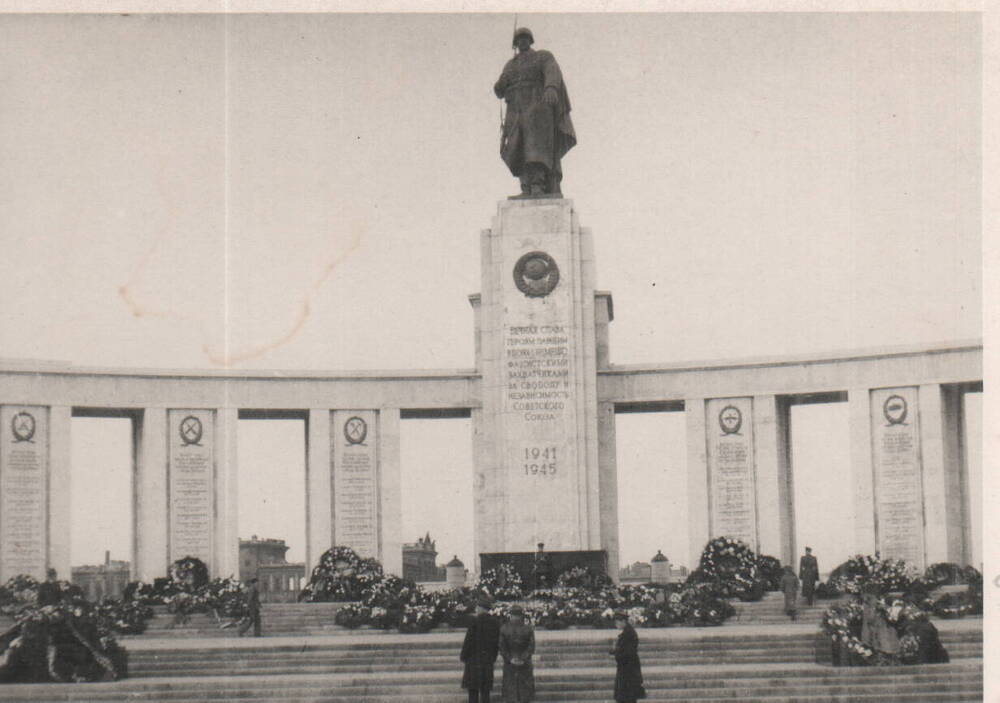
[
  {"x": 479, "y": 654},
  {"x": 517, "y": 644},
  {"x": 628, "y": 678}
]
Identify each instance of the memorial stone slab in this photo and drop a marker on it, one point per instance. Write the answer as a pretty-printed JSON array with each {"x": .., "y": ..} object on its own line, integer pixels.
[
  {"x": 191, "y": 467},
  {"x": 732, "y": 474},
  {"x": 24, "y": 475},
  {"x": 899, "y": 506},
  {"x": 354, "y": 457}
]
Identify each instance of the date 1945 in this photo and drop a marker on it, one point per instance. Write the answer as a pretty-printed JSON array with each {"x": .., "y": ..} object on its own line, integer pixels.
[{"x": 540, "y": 461}]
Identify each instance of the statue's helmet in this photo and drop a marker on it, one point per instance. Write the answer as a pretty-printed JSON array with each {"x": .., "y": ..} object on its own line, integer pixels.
[{"x": 522, "y": 32}]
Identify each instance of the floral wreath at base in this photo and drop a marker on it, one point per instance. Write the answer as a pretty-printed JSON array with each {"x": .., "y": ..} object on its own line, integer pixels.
[
  {"x": 341, "y": 575},
  {"x": 867, "y": 571},
  {"x": 843, "y": 624},
  {"x": 732, "y": 566},
  {"x": 188, "y": 573}
]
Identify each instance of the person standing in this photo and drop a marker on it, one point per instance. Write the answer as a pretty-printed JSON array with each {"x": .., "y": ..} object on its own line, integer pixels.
[
  {"x": 628, "y": 677},
  {"x": 49, "y": 592},
  {"x": 541, "y": 570},
  {"x": 809, "y": 575},
  {"x": 253, "y": 609},
  {"x": 479, "y": 653},
  {"x": 790, "y": 587},
  {"x": 517, "y": 644}
]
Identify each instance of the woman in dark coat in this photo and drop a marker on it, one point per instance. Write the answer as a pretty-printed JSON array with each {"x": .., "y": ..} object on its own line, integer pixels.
[
  {"x": 479, "y": 653},
  {"x": 517, "y": 644},
  {"x": 628, "y": 679}
]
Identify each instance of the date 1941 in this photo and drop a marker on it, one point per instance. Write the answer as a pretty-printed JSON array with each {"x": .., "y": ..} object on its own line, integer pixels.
[{"x": 540, "y": 461}]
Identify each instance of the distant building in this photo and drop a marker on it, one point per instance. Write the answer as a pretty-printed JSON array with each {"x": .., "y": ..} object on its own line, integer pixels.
[
  {"x": 420, "y": 561},
  {"x": 105, "y": 580},
  {"x": 639, "y": 571},
  {"x": 277, "y": 580}
]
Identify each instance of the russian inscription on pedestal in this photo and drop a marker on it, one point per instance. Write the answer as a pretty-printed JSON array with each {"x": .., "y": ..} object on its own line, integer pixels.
[
  {"x": 733, "y": 507},
  {"x": 192, "y": 483},
  {"x": 24, "y": 470},
  {"x": 899, "y": 508},
  {"x": 539, "y": 403},
  {"x": 354, "y": 436}
]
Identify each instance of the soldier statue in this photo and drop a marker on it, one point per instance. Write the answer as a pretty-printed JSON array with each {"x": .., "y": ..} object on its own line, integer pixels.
[{"x": 537, "y": 130}]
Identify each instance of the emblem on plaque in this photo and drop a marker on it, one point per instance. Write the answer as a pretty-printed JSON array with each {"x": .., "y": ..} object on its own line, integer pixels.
[
  {"x": 22, "y": 426},
  {"x": 355, "y": 430},
  {"x": 895, "y": 409},
  {"x": 730, "y": 419},
  {"x": 191, "y": 430},
  {"x": 536, "y": 274}
]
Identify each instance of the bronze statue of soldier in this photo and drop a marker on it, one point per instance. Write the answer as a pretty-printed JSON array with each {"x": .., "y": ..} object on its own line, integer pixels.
[{"x": 537, "y": 130}]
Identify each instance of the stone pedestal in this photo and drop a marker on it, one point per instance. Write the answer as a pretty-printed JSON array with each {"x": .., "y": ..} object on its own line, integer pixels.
[{"x": 537, "y": 476}]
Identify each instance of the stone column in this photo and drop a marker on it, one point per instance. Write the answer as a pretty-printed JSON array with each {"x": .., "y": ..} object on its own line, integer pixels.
[
  {"x": 862, "y": 470},
  {"x": 227, "y": 495},
  {"x": 608, "y": 485},
  {"x": 538, "y": 363},
  {"x": 319, "y": 487},
  {"x": 697, "y": 483},
  {"x": 390, "y": 493},
  {"x": 775, "y": 499},
  {"x": 944, "y": 508},
  {"x": 60, "y": 488},
  {"x": 151, "y": 518}
]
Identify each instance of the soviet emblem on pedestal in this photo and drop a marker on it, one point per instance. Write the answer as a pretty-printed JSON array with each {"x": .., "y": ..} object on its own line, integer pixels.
[
  {"x": 23, "y": 427},
  {"x": 895, "y": 410},
  {"x": 355, "y": 430},
  {"x": 191, "y": 430},
  {"x": 536, "y": 274},
  {"x": 730, "y": 419}
]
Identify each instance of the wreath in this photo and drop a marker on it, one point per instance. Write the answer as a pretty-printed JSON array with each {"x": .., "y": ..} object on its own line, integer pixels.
[
  {"x": 918, "y": 639},
  {"x": 862, "y": 572},
  {"x": 501, "y": 583},
  {"x": 732, "y": 566},
  {"x": 341, "y": 575},
  {"x": 189, "y": 573}
]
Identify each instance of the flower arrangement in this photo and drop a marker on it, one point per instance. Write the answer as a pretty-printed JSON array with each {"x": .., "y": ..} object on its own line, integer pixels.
[
  {"x": 732, "y": 566},
  {"x": 188, "y": 573},
  {"x": 871, "y": 571},
  {"x": 501, "y": 583},
  {"x": 769, "y": 570},
  {"x": 582, "y": 577},
  {"x": 341, "y": 575},
  {"x": 417, "y": 618}
]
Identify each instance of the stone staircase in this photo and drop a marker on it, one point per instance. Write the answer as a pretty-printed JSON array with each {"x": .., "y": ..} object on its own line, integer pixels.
[{"x": 772, "y": 663}]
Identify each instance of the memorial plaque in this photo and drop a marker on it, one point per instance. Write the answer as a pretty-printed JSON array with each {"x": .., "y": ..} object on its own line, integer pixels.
[
  {"x": 899, "y": 508},
  {"x": 192, "y": 483},
  {"x": 24, "y": 472},
  {"x": 354, "y": 454},
  {"x": 731, "y": 469}
]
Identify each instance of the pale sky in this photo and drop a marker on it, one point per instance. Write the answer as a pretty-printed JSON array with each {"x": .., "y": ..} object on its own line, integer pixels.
[{"x": 307, "y": 191}]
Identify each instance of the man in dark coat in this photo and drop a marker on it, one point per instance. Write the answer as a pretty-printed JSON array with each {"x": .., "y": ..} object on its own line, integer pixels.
[
  {"x": 542, "y": 569},
  {"x": 49, "y": 592},
  {"x": 537, "y": 131},
  {"x": 628, "y": 677},
  {"x": 809, "y": 575},
  {"x": 253, "y": 609},
  {"x": 479, "y": 653}
]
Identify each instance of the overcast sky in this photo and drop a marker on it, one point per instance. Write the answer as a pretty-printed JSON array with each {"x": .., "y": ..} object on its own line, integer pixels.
[{"x": 307, "y": 191}]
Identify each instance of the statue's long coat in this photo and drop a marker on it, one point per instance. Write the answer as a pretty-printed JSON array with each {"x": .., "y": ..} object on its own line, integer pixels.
[{"x": 534, "y": 131}]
